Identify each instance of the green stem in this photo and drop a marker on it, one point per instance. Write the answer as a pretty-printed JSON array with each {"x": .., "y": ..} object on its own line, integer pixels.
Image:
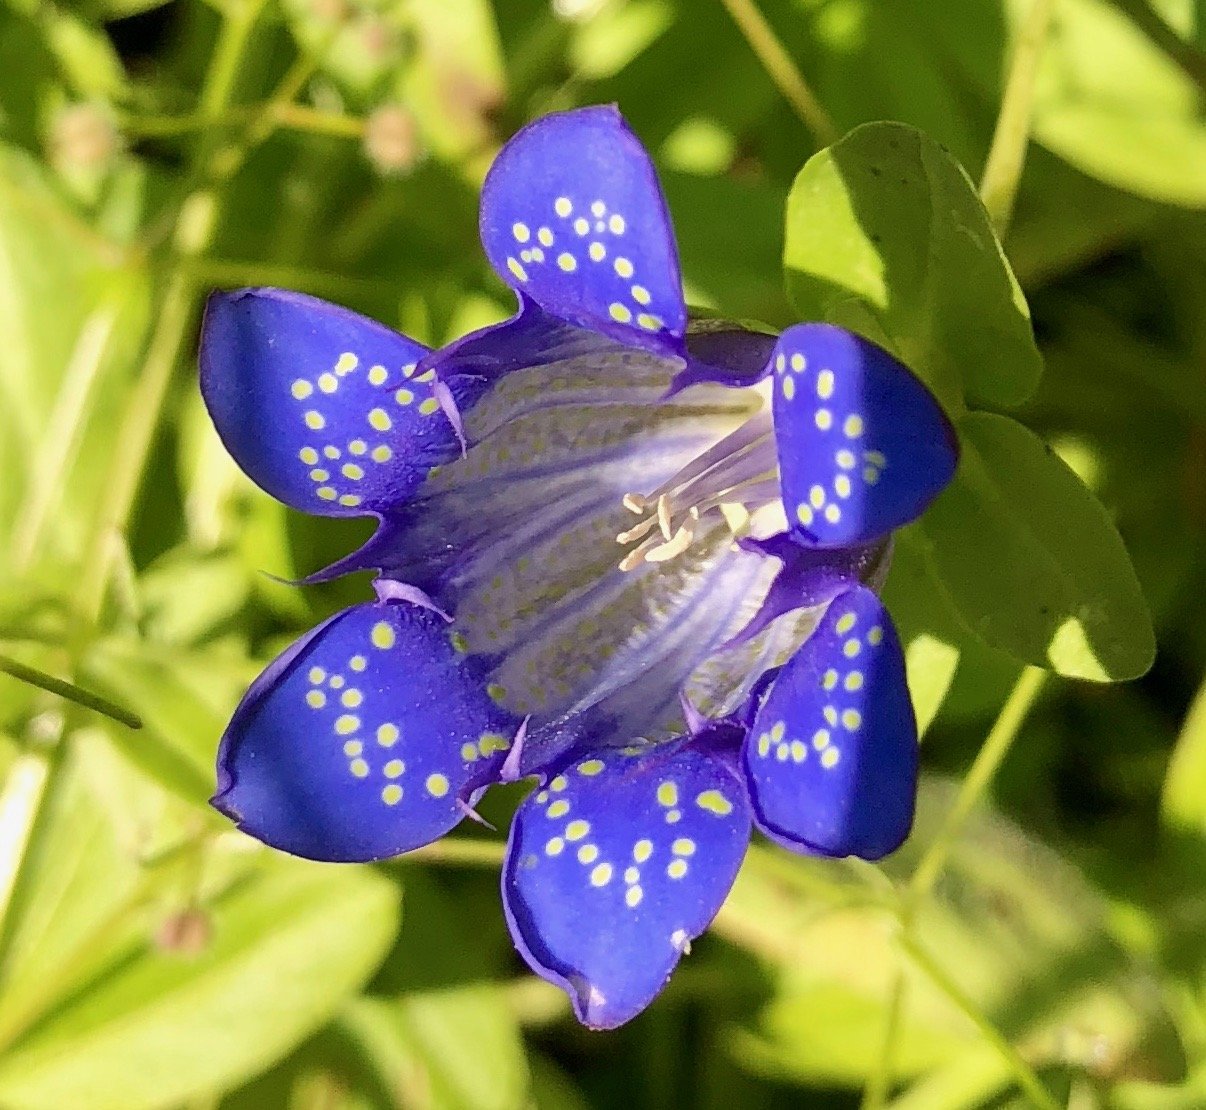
[
  {"x": 781, "y": 69},
  {"x": 295, "y": 117},
  {"x": 996, "y": 746},
  {"x": 69, "y": 691},
  {"x": 55, "y": 454},
  {"x": 875, "y": 1093},
  {"x": 192, "y": 230},
  {"x": 1007, "y": 155},
  {"x": 459, "y": 852},
  {"x": 1025, "y": 1075},
  {"x": 134, "y": 438}
]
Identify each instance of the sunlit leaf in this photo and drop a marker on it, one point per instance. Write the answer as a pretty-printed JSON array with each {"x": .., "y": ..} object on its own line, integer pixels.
[
  {"x": 1014, "y": 926},
  {"x": 163, "y": 1027},
  {"x": 885, "y": 235},
  {"x": 1183, "y": 805},
  {"x": 1031, "y": 560},
  {"x": 1146, "y": 133}
]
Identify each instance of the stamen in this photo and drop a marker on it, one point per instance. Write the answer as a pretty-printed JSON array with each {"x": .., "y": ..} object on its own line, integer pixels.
[
  {"x": 676, "y": 546},
  {"x": 735, "y": 444},
  {"x": 663, "y": 516},
  {"x": 635, "y": 533},
  {"x": 636, "y": 556},
  {"x": 733, "y": 477}
]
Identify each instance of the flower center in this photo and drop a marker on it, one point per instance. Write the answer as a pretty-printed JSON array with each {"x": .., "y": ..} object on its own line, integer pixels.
[{"x": 733, "y": 478}]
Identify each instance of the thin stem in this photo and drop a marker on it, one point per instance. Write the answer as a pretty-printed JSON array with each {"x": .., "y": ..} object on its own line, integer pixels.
[
  {"x": 135, "y": 436},
  {"x": 192, "y": 227},
  {"x": 68, "y": 690},
  {"x": 57, "y": 450},
  {"x": 300, "y": 117},
  {"x": 295, "y": 117},
  {"x": 875, "y": 1093},
  {"x": 459, "y": 852},
  {"x": 1023, "y": 1072},
  {"x": 781, "y": 69},
  {"x": 988, "y": 760},
  {"x": 1007, "y": 155}
]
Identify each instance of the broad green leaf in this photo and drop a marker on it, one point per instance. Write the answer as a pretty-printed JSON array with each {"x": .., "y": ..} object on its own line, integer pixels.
[
  {"x": 76, "y": 877},
  {"x": 1112, "y": 103},
  {"x": 184, "y": 698},
  {"x": 886, "y": 235},
  {"x": 1183, "y": 803},
  {"x": 459, "y": 1046},
  {"x": 929, "y": 629},
  {"x": 73, "y": 321},
  {"x": 162, "y": 1028},
  {"x": 79, "y": 904},
  {"x": 1032, "y": 561},
  {"x": 1015, "y": 926}
]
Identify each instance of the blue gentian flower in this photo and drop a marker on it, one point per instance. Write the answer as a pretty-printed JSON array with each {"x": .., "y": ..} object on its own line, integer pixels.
[{"x": 629, "y": 555}]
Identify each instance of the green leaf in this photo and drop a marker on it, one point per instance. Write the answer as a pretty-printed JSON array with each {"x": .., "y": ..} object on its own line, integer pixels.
[
  {"x": 1183, "y": 803},
  {"x": 929, "y": 630},
  {"x": 1032, "y": 561},
  {"x": 461, "y": 1044},
  {"x": 162, "y": 1028},
  {"x": 66, "y": 914},
  {"x": 885, "y": 235},
  {"x": 184, "y": 698},
  {"x": 1019, "y": 930},
  {"x": 1144, "y": 133}
]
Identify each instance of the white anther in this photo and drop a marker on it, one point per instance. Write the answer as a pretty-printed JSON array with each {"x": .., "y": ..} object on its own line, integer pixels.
[
  {"x": 637, "y": 531},
  {"x": 663, "y": 517},
  {"x": 677, "y": 545}
]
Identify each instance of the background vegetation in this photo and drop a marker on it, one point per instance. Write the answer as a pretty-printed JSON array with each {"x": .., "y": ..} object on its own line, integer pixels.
[{"x": 1038, "y": 942}]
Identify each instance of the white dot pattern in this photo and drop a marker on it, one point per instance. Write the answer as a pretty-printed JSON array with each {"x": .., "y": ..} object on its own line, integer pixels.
[
  {"x": 824, "y": 503},
  {"x": 561, "y": 236},
  {"x": 367, "y": 443}
]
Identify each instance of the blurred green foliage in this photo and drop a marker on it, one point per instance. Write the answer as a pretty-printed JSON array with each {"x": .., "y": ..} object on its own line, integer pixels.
[{"x": 1039, "y": 939}]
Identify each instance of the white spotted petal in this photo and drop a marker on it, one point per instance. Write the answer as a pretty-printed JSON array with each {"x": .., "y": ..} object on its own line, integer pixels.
[
  {"x": 574, "y": 219},
  {"x": 832, "y": 755},
  {"x": 363, "y": 740},
  {"x": 320, "y": 406},
  {"x": 616, "y": 864}
]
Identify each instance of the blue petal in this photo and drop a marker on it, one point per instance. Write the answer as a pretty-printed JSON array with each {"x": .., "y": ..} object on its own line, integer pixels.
[
  {"x": 320, "y": 406},
  {"x": 809, "y": 576},
  {"x": 863, "y": 445},
  {"x": 573, "y": 218},
  {"x": 363, "y": 740},
  {"x": 616, "y": 864},
  {"x": 725, "y": 352},
  {"x": 831, "y": 757}
]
